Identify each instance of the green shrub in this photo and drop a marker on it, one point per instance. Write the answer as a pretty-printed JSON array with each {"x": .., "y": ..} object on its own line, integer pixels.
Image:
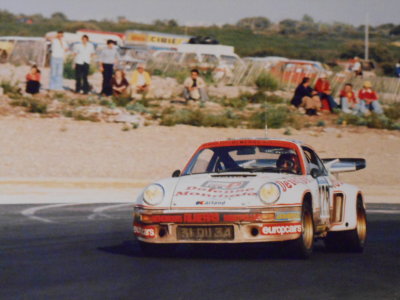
[
  {"x": 33, "y": 105},
  {"x": 276, "y": 116},
  {"x": 121, "y": 100},
  {"x": 266, "y": 81},
  {"x": 138, "y": 107},
  {"x": 237, "y": 103},
  {"x": 170, "y": 117},
  {"x": 10, "y": 87},
  {"x": 393, "y": 111}
]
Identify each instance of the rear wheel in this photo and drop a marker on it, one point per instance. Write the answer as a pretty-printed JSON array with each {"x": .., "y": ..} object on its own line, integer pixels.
[
  {"x": 303, "y": 246},
  {"x": 350, "y": 240}
]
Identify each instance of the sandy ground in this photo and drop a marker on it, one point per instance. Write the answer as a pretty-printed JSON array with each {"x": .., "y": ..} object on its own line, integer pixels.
[{"x": 56, "y": 154}]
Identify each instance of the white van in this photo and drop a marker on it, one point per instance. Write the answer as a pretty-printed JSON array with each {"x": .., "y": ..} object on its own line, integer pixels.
[{"x": 203, "y": 56}]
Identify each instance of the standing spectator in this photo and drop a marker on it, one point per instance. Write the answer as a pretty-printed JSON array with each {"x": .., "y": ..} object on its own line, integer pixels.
[
  {"x": 119, "y": 84},
  {"x": 140, "y": 81},
  {"x": 33, "y": 81},
  {"x": 348, "y": 100},
  {"x": 195, "y": 87},
  {"x": 356, "y": 68},
  {"x": 305, "y": 96},
  {"x": 108, "y": 58},
  {"x": 397, "y": 69},
  {"x": 369, "y": 99},
  {"x": 83, "y": 52},
  {"x": 58, "y": 49},
  {"x": 323, "y": 87}
]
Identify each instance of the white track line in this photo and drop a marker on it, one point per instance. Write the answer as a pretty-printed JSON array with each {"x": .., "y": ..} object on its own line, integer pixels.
[
  {"x": 384, "y": 211},
  {"x": 30, "y": 212},
  {"x": 98, "y": 212}
]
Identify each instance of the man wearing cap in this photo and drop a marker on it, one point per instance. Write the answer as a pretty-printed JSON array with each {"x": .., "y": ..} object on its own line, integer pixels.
[
  {"x": 107, "y": 59},
  {"x": 369, "y": 99},
  {"x": 140, "y": 81}
]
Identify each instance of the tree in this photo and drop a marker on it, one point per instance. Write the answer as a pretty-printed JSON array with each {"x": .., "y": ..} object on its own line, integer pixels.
[
  {"x": 288, "y": 26},
  {"x": 395, "y": 30},
  {"x": 59, "y": 16},
  {"x": 172, "y": 23},
  {"x": 307, "y": 19},
  {"x": 255, "y": 23}
]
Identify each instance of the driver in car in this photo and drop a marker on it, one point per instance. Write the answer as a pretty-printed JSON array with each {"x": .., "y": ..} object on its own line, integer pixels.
[{"x": 288, "y": 162}]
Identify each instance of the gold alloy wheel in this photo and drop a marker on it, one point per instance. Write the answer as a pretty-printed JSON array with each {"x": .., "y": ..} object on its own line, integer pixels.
[
  {"x": 361, "y": 225},
  {"x": 308, "y": 235}
]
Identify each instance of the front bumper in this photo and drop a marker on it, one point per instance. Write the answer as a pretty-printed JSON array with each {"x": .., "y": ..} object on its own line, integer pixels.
[{"x": 250, "y": 226}]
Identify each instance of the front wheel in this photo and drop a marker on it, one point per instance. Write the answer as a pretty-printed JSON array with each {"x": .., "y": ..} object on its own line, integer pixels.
[{"x": 303, "y": 246}]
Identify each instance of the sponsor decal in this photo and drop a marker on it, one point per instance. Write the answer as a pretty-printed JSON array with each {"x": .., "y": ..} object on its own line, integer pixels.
[
  {"x": 281, "y": 229},
  {"x": 201, "y": 218},
  {"x": 144, "y": 231},
  {"x": 242, "y": 217},
  {"x": 286, "y": 216},
  {"x": 212, "y": 192},
  {"x": 222, "y": 185},
  {"x": 210, "y": 203},
  {"x": 290, "y": 183}
]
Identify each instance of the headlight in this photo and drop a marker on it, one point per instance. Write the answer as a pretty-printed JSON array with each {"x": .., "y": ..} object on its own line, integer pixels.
[
  {"x": 269, "y": 193},
  {"x": 153, "y": 194}
]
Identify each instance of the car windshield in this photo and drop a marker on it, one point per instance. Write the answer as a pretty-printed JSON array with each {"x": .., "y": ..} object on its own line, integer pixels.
[{"x": 245, "y": 159}]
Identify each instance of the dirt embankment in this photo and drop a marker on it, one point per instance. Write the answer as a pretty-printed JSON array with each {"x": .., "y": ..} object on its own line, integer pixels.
[{"x": 62, "y": 148}]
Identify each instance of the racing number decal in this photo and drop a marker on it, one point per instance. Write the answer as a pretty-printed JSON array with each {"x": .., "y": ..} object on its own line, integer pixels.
[{"x": 324, "y": 194}]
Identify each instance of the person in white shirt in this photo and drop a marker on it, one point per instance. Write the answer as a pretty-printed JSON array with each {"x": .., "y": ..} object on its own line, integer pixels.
[
  {"x": 83, "y": 53},
  {"x": 58, "y": 49},
  {"x": 107, "y": 59}
]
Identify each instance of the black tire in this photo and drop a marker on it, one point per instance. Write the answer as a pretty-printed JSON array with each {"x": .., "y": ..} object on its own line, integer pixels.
[
  {"x": 350, "y": 240},
  {"x": 303, "y": 246}
]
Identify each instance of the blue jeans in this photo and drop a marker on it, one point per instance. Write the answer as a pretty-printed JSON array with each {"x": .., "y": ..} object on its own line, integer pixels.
[
  {"x": 374, "y": 106},
  {"x": 56, "y": 73},
  {"x": 331, "y": 101},
  {"x": 344, "y": 103}
]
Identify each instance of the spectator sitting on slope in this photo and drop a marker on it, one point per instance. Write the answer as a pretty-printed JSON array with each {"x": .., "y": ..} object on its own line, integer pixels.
[
  {"x": 305, "y": 96},
  {"x": 323, "y": 87}
]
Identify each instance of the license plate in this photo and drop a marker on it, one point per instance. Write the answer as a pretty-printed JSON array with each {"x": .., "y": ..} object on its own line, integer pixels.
[{"x": 205, "y": 233}]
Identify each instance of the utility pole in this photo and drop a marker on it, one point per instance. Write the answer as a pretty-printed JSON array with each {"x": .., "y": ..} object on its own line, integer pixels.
[{"x": 366, "y": 51}]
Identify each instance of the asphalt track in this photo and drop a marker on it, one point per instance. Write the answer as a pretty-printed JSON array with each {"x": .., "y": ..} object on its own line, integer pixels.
[{"x": 87, "y": 251}]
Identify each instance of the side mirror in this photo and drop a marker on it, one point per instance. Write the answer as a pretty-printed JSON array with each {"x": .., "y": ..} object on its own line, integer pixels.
[
  {"x": 176, "y": 173},
  {"x": 315, "y": 172}
]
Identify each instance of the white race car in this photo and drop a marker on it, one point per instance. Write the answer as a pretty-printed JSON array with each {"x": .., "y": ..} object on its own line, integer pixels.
[{"x": 254, "y": 190}]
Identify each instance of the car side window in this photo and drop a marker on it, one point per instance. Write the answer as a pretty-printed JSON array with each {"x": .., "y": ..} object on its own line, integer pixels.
[
  {"x": 203, "y": 162},
  {"x": 313, "y": 161}
]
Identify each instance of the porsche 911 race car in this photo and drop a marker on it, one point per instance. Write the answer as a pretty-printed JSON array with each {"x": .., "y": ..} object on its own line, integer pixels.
[{"x": 254, "y": 190}]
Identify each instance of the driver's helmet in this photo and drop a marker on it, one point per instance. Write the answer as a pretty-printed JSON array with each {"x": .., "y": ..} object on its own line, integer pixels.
[{"x": 289, "y": 162}]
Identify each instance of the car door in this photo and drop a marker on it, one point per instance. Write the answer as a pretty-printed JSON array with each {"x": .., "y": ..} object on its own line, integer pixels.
[{"x": 318, "y": 171}]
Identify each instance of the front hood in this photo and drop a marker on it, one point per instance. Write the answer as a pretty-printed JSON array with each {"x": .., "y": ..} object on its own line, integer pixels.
[{"x": 225, "y": 190}]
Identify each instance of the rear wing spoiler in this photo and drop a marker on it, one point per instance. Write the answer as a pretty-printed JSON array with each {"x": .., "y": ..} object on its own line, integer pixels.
[{"x": 339, "y": 165}]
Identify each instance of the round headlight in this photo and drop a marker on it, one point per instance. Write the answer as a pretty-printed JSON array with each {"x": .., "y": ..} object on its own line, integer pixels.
[
  {"x": 269, "y": 193},
  {"x": 153, "y": 194}
]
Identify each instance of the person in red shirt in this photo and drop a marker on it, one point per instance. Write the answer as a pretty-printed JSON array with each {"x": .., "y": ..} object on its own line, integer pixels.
[
  {"x": 369, "y": 99},
  {"x": 323, "y": 87},
  {"x": 33, "y": 81},
  {"x": 348, "y": 100}
]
